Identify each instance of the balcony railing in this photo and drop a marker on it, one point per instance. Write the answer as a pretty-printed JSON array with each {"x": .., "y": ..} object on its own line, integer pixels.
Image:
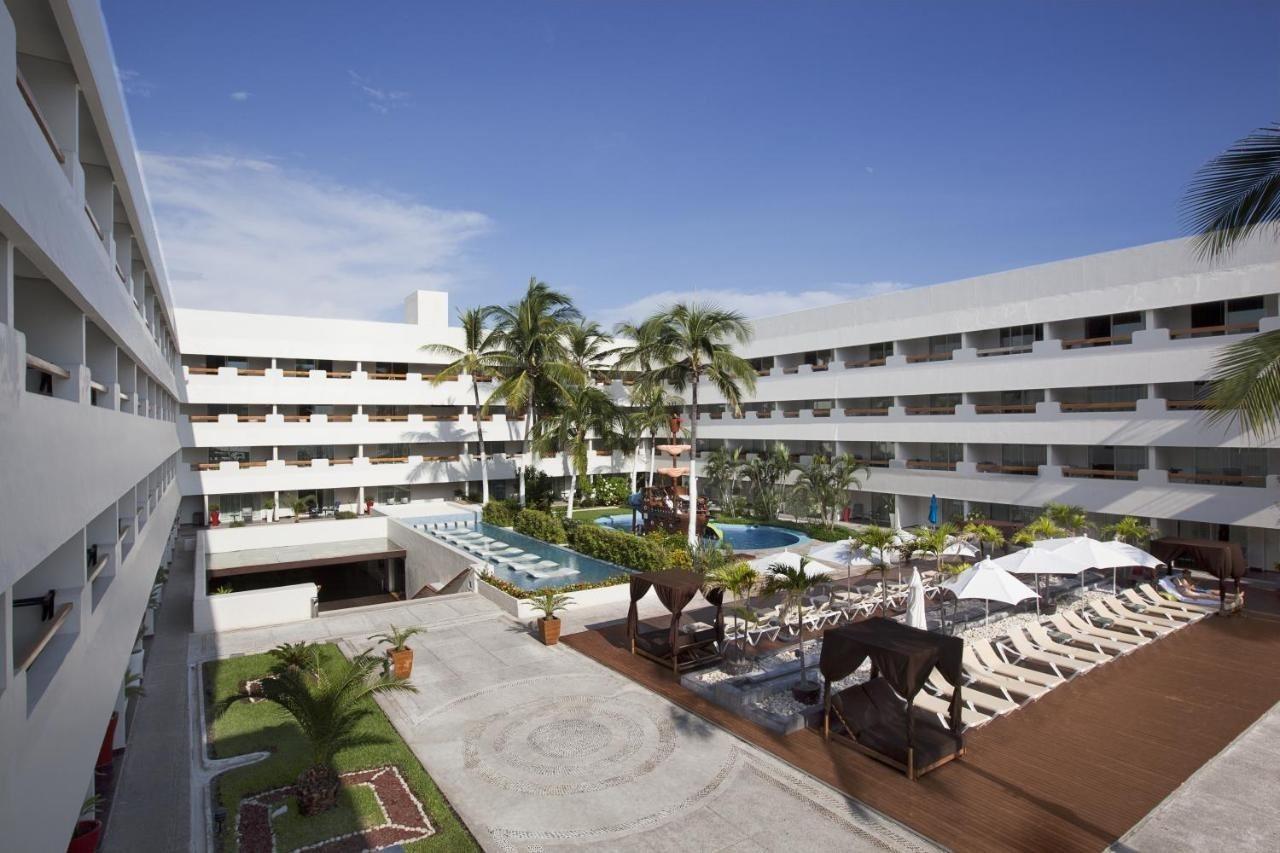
[
  {"x": 46, "y": 635},
  {"x": 1209, "y": 478},
  {"x": 869, "y": 362},
  {"x": 1017, "y": 349},
  {"x": 387, "y": 460},
  {"x": 931, "y": 410},
  {"x": 1005, "y": 408},
  {"x": 1100, "y": 473},
  {"x": 1210, "y": 331},
  {"x": 929, "y": 357},
  {"x": 30, "y": 98},
  {"x": 856, "y": 412},
  {"x": 1116, "y": 406},
  {"x": 1110, "y": 340},
  {"x": 1186, "y": 405},
  {"x": 930, "y": 465},
  {"x": 993, "y": 468}
]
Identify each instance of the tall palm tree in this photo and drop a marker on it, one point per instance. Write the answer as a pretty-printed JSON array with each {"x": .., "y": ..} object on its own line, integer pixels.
[
  {"x": 768, "y": 474},
  {"x": 684, "y": 345},
  {"x": 877, "y": 542},
  {"x": 329, "y": 714},
  {"x": 794, "y": 581},
  {"x": 532, "y": 359},
  {"x": 827, "y": 481},
  {"x": 477, "y": 357},
  {"x": 723, "y": 467},
  {"x": 1233, "y": 196},
  {"x": 588, "y": 348},
  {"x": 585, "y": 411},
  {"x": 651, "y": 409}
]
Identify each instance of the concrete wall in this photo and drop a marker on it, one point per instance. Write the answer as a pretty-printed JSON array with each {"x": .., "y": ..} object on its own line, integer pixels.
[{"x": 427, "y": 561}]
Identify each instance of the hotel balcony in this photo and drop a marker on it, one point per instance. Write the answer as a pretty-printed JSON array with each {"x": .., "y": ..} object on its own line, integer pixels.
[{"x": 237, "y": 430}]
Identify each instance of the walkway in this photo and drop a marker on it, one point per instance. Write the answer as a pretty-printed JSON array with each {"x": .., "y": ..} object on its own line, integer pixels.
[
  {"x": 150, "y": 807},
  {"x": 542, "y": 749}
]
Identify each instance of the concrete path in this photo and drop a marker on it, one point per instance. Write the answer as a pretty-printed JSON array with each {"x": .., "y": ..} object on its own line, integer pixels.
[
  {"x": 150, "y": 808},
  {"x": 1229, "y": 803}
]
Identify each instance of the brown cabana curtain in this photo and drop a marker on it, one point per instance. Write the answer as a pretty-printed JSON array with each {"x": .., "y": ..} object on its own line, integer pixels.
[
  {"x": 639, "y": 586},
  {"x": 1223, "y": 559},
  {"x": 675, "y": 590}
]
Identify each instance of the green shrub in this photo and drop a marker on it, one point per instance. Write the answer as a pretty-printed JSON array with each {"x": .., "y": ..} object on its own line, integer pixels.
[
  {"x": 604, "y": 491},
  {"x": 237, "y": 523},
  {"x": 499, "y": 513},
  {"x": 345, "y": 513},
  {"x": 617, "y": 546},
  {"x": 540, "y": 525}
]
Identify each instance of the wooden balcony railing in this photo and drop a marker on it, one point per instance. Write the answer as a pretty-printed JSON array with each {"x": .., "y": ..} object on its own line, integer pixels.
[
  {"x": 30, "y": 98},
  {"x": 870, "y": 362},
  {"x": 1117, "y": 406},
  {"x": 818, "y": 368},
  {"x": 203, "y": 419},
  {"x": 255, "y": 463},
  {"x": 821, "y": 413},
  {"x": 715, "y": 416},
  {"x": 790, "y": 370},
  {"x": 35, "y": 362},
  {"x": 931, "y": 410},
  {"x": 251, "y": 371},
  {"x": 1079, "y": 343},
  {"x": 96, "y": 569},
  {"x": 1006, "y": 408},
  {"x": 296, "y": 419},
  {"x": 452, "y": 458},
  {"x": 1209, "y": 331},
  {"x": 120, "y": 275},
  {"x": 202, "y": 371},
  {"x": 297, "y": 374},
  {"x": 46, "y": 634},
  {"x": 934, "y": 356},
  {"x": 1210, "y": 478},
  {"x": 763, "y": 372},
  {"x": 1100, "y": 473},
  {"x": 1019, "y": 349},
  {"x": 993, "y": 468},
  {"x": 339, "y": 374},
  {"x": 791, "y": 414},
  {"x": 928, "y": 465},
  {"x": 1186, "y": 405},
  {"x": 298, "y": 463},
  {"x": 394, "y": 377},
  {"x": 873, "y": 463},
  {"x": 386, "y": 419},
  {"x": 604, "y": 453},
  {"x": 855, "y": 412},
  {"x": 387, "y": 460},
  {"x": 764, "y": 413}
]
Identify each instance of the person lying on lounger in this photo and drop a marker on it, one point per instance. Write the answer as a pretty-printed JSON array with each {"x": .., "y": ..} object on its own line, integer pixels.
[{"x": 1190, "y": 590}]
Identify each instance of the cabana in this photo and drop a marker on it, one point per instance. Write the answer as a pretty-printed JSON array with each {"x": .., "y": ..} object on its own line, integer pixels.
[
  {"x": 1223, "y": 560},
  {"x": 672, "y": 646},
  {"x": 878, "y": 717}
]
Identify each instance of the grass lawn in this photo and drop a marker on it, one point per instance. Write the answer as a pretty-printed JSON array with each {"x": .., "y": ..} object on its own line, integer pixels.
[
  {"x": 593, "y": 513},
  {"x": 264, "y": 726}
]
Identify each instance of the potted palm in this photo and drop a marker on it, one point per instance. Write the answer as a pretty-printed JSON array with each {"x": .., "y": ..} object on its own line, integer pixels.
[
  {"x": 738, "y": 579},
  {"x": 549, "y": 602},
  {"x": 84, "y": 839},
  {"x": 400, "y": 654},
  {"x": 329, "y": 713},
  {"x": 794, "y": 581},
  {"x": 299, "y": 507},
  {"x": 270, "y": 506}
]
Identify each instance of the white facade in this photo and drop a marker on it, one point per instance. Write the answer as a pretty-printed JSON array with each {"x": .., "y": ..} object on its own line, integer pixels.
[
  {"x": 88, "y": 404},
  {"x": 999, "y": 393}
]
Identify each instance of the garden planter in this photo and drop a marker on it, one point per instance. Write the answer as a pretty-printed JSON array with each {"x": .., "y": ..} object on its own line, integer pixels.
[
  {"x": 107, "y": 750},
  {"x": 85, "y": 838},
  {"x": 401, "y": 662},
  {"x": 807, "y": 692},
  {"x": 548, "y": 630},
  {"x": 215, "y": 517}
]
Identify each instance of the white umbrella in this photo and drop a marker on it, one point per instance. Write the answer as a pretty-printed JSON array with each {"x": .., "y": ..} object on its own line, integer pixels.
[
  {"x": 991, "y": 583},
  {"x": 915, "y": 602},
  {"x": 1092, "y": 554},
  {"x": 845, "y": 553},
  {"x": 1039, "y": 561}
]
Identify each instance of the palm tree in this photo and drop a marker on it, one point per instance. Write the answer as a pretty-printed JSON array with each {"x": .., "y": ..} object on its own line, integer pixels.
[
  {"x": 793, "y": 581},
  {"x": 585, "y": 411},
  {"x": 685, "y": 344},
  {"x": 988, "y": 536},
  {"x": 828, "y": 480},
  {"x": 1069, "y": 517},
  {"x": 768, "y": 473},
  {"x": 877, "y": 542},
  {"x": 1232, "y": 197},
  {"x": 532, "y": 360},
  {"x": 1042, "y": 528},
  {"x": 1131, "y": 530},
  {"x": 303, "y": 657},
  {"x": 329, "y": 714},
  {"x": 588, "y": 349},
  {"x": 935, "y": 542},
  {"x": 651, "y": 409},
  {"x": 739, "y": 580},
  {"x": 723, "y": 466},
  {"x": 477, "y": 357}
]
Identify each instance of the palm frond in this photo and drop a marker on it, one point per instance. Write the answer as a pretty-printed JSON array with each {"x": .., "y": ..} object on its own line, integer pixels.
[
  {"x": 1236, "y": 193},
  {"x": 1245, "y": 384}
]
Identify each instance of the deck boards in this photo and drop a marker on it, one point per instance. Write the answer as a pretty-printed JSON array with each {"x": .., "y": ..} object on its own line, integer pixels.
[{"x": 1071, "y": 771}]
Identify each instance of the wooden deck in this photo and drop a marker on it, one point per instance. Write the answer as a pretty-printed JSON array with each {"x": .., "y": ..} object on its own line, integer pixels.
[{"x": 1072, "y": 771}]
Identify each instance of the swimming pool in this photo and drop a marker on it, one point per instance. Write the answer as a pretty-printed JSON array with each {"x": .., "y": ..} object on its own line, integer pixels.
[
  {"x": 522, "y": 560},
  {"x": 743, "y": 537}
]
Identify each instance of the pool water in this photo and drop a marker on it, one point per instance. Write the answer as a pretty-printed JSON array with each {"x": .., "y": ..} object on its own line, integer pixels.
[
  {"x": 743, "y": 537},
  {"x": 579, "y": 568}
]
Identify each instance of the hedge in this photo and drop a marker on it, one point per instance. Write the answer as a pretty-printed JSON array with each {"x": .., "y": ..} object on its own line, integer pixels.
[
  {"x": 499, "y": 513},
  {"x": 540, "y": 525},
  {"x": 617, "y": 546}
]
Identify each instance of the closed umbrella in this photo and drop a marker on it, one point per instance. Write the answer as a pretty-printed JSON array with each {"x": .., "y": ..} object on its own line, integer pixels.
[
  {"x": 991, "y": 583},
  {"x": 915, "y": 602},
  {"x": 933, "y": 510},
  {"x": 1039, "y": 561}
]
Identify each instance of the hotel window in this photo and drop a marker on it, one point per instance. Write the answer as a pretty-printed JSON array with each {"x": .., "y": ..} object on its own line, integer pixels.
[
  {"x": 392, "y": 494},
  {"x": 1024, "y": 455},
  {"x": 878, "y": 351},
  {"x": 944, "y": 344},
  {"x": 325, "y": 364},
  {"x": 1113, "y": 325},
  {"x": 1021, "y": 336},
  {"x": 1115, "y": 393},
  {"x": 949, "y": 453},
  {"x": 1248, "y": 310},
  {"x": 1107, "y": 458}
]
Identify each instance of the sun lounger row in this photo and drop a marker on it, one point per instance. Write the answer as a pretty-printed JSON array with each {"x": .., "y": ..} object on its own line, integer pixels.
[
  {"x": 503, "y": 554},
  {"x": 1034, "y": 658}
]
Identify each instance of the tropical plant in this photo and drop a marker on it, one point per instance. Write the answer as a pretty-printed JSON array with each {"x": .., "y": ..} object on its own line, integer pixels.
[
  {"x": 739, "y": 580},
  {"x": 1042, "y": 528},
  {"x": 329, "y": 713},
  {"x": 531, "y": 358},
  {"x": 585, "y": 411},
  {"x": 270, "y": 505},
  {"x": 934, "y": 542},
  {"x": 724, "y": 466},
  {"x": 710, "y": 555},
  {"x": 303, "y": 657},
  {"x": 767, "y": 474},
  {"x": 684, "y": 345},
  {"x": 1131, "y": 530},
  {"x": 89, "y": 808},
  {"x": 988, "y": 536},
  {"x": 539, "y": 525},
  {"x": 827, "y": 481},
  {"x": 133, "y": 686},
  {"x": 877, "y": 542},
  {"x": 299, "y": 507},
  {"x": 1233, "y": 196},
  {"x": 588, "y": 348},
  {"x": 651, "y": 409},
  {"x": 223, "y": 589},
  {"x": 548, "y": 602},
  {"x": 478, "y": 358},
  {"x": 1069, "y": 517},
  {"x": 793, "y": 581},
  {"x": 397, "y": 638}
]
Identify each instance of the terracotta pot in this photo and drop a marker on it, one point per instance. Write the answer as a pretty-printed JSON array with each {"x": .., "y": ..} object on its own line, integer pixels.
[
  {"x": 215, "y": 517},
  {"x": 85, "y": 838},
  {"x": 105, "y": 752},
  {"x": 401, "y": 662},
  {"x": 548, "y": 630},
  {"x": 368, "y": 507}
]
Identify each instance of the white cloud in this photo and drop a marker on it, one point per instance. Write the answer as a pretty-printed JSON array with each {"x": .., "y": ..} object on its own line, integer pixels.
[
  {"x": 753, "y": 304},
  {"x": 133, "y": 83},
  {"x": 239, "y": 96},
  {"x": 251, "y": 235},
  {"x": 379, "y": 99}
]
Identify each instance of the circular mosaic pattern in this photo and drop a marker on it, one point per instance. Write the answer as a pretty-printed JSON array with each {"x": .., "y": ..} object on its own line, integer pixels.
[
  {"x": 562, "y": 745},
  {"x": 569, "y": 738}
]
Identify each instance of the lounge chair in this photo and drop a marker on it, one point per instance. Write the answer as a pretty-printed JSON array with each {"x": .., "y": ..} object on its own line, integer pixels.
[
  {"x": 1086, "y": 635},
  {"x": 1097, "y": 610},
  {"x": 1117, "y": 606},
  {"x": 1078, "y": 621},
  {"x": 1040, "y": 636},
  {"x": 979, "y": 653},
  {"x": 976, "y": 699},
  {"x": 926, "y": 701},
  {"x": 1020, "y": 648},
  {"x": 1178, "y": 600},
  {"x": 1000, "y": 685},
  {"x": 1151, "y": 608}
]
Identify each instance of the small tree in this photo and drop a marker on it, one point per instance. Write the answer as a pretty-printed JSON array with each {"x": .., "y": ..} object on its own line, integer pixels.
[
  {"x": 1069, "y": 517},
  {"x": 397, "y": 638},
  {"x": 739, "y": 580},
  {"x": 877, "y": 542},
  {"x": 988, "y": 536},
  {"x": 296, "y": 657},
  {"x": 1042, "y": 528},
  {"x": 935, "y": 542},
  {"x": 827, "y": 481},
  {"x": 329, "y": 714},
  {"x": 1131, "y": 530},
  {"x": 794, "y": 582},
  {"x": 548, "y": 602}
]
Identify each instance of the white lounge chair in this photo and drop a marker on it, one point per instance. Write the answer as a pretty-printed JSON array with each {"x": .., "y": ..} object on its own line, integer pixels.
[
  {"x": 926, "y": 701},
  {"x": 1099, "y": 610},
  {"x": 980, "y": 653},
  {"x": 978, "y": 677},
  {"x": 1158, "y": 597},
  {"x": 1082, "y": 637},
  {"x": 1077, "y": 621},
  {"x": 1018, "y": 646},
  {"x": 1040, "y": 636},
  {"x": 1150, "y": 608},
  {"x": 975, "y": 699}
]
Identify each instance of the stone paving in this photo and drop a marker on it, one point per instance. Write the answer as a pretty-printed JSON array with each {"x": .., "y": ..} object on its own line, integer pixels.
[{"x": 542, "y": 749}]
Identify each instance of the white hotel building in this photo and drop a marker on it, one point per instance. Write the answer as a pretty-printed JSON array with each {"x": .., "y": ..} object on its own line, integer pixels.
[
  {"x": 1073, "y": 381},
  {"x": 88, "y": 407}
]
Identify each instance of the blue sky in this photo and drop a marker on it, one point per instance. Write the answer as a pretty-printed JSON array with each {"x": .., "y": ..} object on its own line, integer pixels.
[{"x": 326, "y": 157}]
